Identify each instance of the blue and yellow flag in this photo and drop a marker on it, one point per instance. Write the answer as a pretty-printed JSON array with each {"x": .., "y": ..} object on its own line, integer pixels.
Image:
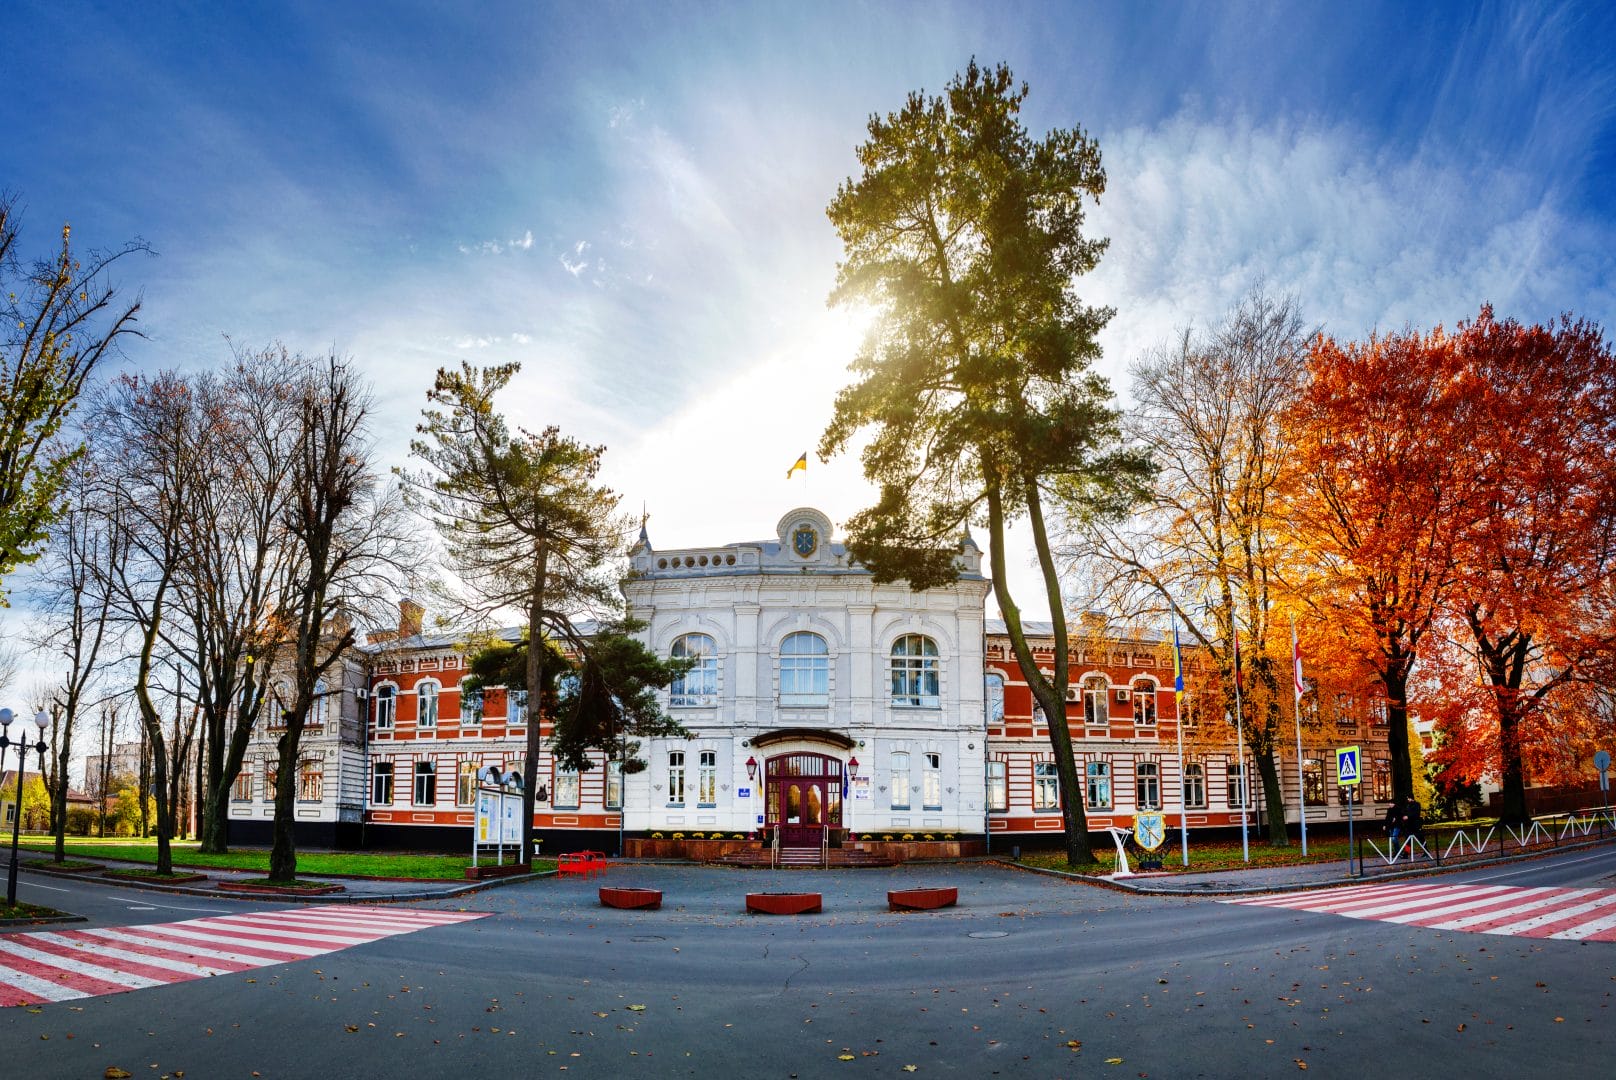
[
  {"x": 801, "y": 464},
  {"x": 1178, "y": 669}
]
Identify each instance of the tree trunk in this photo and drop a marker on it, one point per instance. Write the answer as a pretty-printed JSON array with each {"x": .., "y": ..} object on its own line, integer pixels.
[
  {"x": 535, "y": 686},
  {"x": 283, "y": 852},
  {"x": 1395, "y": 679},
  {"x": 1273, "y": 800}
]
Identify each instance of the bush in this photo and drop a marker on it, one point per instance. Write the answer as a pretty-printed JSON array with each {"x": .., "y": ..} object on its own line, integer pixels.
[{"x": 80, "y": 820}]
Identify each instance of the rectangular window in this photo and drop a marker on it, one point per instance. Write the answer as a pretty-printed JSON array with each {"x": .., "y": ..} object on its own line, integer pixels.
[
  {"x": 242, "y": 792},
  {"x": 1189, "y": 714},
  {"x": 932, "y": 782},
  {"x": 381, "y": 784},
  {"x": 1195, "y": 785},
  {"x": 310, "y": 783},
  {"x": 1144, "y": 704},
  {"x": 515, "y": 708},
  {"x": 1099, "y": 784},
  {"x": 1147, "y": 786},
  {"x": 426, "y": 783},
  {"x": 1237, "y": 786},
  {"x": 426, "y": 706},
  {"x": 614, "y": 785},
  {"x": 900, "y": 781},
  {"x": 1381, "y": 779},
  {"x": 466, "y": 788},
  {"x": 707, "y": 779},
  {"x": 676, "y": 777},
  {"x": 566, "y": 789},
  {"x": 1045, "y": 786},
  {"x": 270, "y": 777},
  {"x": 1313, "y": 782},
  {"x": 998, "y": 788},
  {"x": 1096, "y": 710},
  {"x": 471, "y": 708}
]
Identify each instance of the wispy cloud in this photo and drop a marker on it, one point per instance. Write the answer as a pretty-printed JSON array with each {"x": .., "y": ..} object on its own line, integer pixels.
[{"x": 499, "y": 247}]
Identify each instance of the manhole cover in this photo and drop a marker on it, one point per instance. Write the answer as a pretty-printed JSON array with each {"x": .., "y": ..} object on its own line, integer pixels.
[
  {"x": 649, "y": 937},
  {"x": 988, "y": 934}
]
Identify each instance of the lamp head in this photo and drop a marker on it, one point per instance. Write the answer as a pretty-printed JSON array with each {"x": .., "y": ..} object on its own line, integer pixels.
[
  {"x": 852, "y": 767},
  {"x": 41, "y": 721},
  {"x": 6, "y": 716}
]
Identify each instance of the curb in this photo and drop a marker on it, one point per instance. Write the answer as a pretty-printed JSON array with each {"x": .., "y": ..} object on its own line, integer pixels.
[
  {"x": 8, "y": 924},
  {"x": 331, "y": 898}
]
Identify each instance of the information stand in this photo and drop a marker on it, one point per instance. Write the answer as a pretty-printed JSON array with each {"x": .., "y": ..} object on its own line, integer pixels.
[{"x": 499, "y": 814}]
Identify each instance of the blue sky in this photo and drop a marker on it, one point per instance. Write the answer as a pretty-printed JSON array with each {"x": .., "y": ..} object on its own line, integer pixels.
[{"x": 629, "y": 198}]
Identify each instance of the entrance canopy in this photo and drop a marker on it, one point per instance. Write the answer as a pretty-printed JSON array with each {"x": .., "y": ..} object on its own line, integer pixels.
[{"x": 819, "y": 735}]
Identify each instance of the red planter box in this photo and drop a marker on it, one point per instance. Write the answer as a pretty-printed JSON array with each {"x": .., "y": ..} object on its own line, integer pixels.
[
  {"x": 630, "y": 898},
  {"x": 783, "y": 903},
  {"x": 478, "y": 873},
  {"x": 921, "y": 899}
]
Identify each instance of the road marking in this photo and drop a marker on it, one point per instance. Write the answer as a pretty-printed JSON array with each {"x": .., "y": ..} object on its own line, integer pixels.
[
  {"x": 1540, "y": 912},
  {"x": 64, "y": 965}
]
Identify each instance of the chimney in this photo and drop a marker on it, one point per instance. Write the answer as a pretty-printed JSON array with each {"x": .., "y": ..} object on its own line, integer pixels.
[{"x": 409, "y": 617}]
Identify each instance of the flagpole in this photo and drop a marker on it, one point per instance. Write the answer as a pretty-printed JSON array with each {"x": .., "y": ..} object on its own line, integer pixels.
[
  {"x": 1301, "y": 778},
  {"x": 1240, "y": 744},
  {"x": 1178, "y": 726}
]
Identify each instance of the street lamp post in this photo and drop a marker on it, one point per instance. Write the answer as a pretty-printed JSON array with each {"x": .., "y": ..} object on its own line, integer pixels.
[
  {"x": 22, "y": 744},
  {"x": 847, "y": 807}
]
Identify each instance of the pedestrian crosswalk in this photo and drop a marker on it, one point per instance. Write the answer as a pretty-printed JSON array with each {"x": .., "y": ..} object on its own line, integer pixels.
[
  {"x": 1564, "y": 914},
  {"x": 61, "y": 965}
]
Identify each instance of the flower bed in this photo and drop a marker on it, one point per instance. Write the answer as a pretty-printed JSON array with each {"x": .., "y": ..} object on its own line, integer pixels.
[
  {"x": 921, "y": 899},
  {"x": 630, "y": 898},
  {"x": 783, "y": 903}
]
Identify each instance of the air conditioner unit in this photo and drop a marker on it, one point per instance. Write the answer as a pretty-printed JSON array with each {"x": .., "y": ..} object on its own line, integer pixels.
[
  {"x": 1122, "y": 694},
  {"x": 1072, "y": 693}
]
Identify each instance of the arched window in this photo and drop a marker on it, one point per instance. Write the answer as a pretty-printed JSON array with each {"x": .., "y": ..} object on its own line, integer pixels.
[
  {"x": 386, "y": 706},
  {"x": 1096, "y": 713},
  {"x": 1147, "y": 786},
  {"x": 707, "y": 778},
  {"x": 676, "y": 777},
  {"x": 1194, "y": 784},
  {"x": 699, "y": 685},
  {"x": 1144, "y": 703},
  {"x": 804, "y": 670},
  {"x": 914, "y": 672},
  {"x": 319, "y": 707},
  {"x": 426, "y": 705},
  {"x": 993, "y": 693}
]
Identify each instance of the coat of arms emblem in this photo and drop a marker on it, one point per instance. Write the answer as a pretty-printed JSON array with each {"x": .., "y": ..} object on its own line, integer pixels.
[
  {"x": 1149, "y": 830},
  {"x": 804, "y": 540}
]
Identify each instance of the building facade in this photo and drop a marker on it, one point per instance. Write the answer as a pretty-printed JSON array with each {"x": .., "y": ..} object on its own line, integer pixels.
[{"x": 821, "y": 706}]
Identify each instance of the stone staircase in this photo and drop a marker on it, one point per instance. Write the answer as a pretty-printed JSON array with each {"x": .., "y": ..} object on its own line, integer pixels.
[{"x": 806, "y": 858}]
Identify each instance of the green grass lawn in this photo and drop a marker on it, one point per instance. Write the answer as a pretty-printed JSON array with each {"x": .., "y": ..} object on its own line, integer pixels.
[
  {"x": 27, "y": 911},
  {"x": 352, "y": 864},
  {"x": 1204, "y": 856}
]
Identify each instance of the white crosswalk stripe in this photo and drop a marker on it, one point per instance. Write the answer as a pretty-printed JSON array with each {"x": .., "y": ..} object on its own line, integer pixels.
[
  {"x": 65, "y": 965},
  {"x": 1540, "y": 912}
]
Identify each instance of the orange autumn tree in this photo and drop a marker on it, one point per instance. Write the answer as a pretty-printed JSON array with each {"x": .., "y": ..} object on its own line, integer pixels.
[
  {"x": 1382, "y": 435},
  {"x": 1533, "y": 600}
]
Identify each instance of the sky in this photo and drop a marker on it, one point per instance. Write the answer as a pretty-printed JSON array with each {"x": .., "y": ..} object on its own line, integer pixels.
[{"x": 629, "y": 199}]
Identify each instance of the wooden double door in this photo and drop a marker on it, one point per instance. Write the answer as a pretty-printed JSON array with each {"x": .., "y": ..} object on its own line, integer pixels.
[{"x": 804, "y": 797}]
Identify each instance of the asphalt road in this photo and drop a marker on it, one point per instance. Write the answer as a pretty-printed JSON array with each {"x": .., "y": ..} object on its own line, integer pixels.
[{"x": 1029, "y": 976}]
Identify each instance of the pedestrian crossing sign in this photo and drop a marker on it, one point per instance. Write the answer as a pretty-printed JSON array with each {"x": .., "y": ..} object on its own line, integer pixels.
[{"x": 1346, "y": 766}]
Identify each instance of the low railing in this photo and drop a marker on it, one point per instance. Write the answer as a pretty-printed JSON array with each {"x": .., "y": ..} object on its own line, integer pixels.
[{"x": 1468, "y": 844}]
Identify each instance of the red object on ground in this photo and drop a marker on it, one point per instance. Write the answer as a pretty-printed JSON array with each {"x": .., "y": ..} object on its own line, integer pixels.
[
  {"x": 630, "y": 898},
  {"x": 921, "y": 899},
  {"x": 587, "y": 863},
  {"x": 783, "y": 903}
]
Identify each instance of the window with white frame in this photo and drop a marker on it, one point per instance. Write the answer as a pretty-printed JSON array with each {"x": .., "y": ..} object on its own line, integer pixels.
[
  {"x": 931, "y": 781},
  {"x": 381, "y": 783},
  {"x": 242, "y": 791},
  {"x": 993, "y": 694},
  {"x": 1380, "y": 779},
  {"x": 1045, "y": 786},
  {"x": 1195, "y": 785},
  {"x": 515, "y": 707},
  {"x": 804, "y": 670},
  {"x": 566, "y": 789},
  {"x": 699, "y": 685},
  {"x": 426, "y": 705},
  {"x": 466, "y": 784},
  {"x": 280, "y": 703},
  {"x": 676, "y": 777},
  {"x": 1189, "y": 710},
  {"x": 914, "y": 672},
  {"x": 998, "y": 788},
  {"x": 426, "y": 783},
  {"x": 1098, "y": 776},
  {"x": 900, "y": 781},
  {"x": 319, "y": 707},
  {"x": 1144, "y": 703},
  {"x": 1237, "y": 789},
  {"x": 614, "y": 785},
  {"x": 271, "y": 778},
  {"x": 1096, "y": 711},
  {"x": 310, "y": 781},
  {"x": 1147, "y": 785},
  {"x": 386, "y": 707},
  {"x": 707, "y": 778},
  {"x": 471, "y": 706}
]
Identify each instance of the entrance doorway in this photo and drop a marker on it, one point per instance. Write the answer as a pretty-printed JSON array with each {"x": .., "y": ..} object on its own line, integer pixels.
[{"x": 803, "y": 798}]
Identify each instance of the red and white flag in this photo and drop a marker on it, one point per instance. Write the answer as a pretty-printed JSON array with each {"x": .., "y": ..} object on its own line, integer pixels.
[{"x": 1296, "y": 660}]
